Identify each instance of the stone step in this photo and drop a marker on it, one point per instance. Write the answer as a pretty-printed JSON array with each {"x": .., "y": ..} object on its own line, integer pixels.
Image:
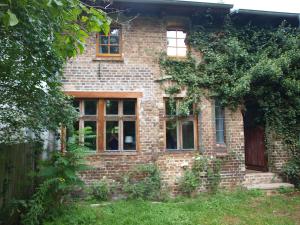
[
  {"x": 269, "y": 186},
  {"x": 259, "y": 178}
]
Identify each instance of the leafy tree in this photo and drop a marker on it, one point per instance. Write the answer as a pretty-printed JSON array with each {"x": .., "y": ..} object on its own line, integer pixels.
[{"x": 37, "y": 37}]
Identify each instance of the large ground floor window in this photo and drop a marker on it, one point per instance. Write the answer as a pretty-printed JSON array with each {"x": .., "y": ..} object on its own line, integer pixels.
[
  {"x": 112, "y": 121},
  {"x": 180, "y": 131}
]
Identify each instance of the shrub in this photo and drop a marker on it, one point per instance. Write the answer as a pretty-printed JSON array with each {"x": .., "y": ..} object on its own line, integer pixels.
[
  {"x": 58, "y": 178},
  {"x": 144, "y": 182},
  {"x": 292, "y": 171},
  {"x": 101, "y": 190},
  {"x": 189, "y": 182}
]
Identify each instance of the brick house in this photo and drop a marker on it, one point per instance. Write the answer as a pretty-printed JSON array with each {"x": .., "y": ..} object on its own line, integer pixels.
[{"x": 115, "y": 84}]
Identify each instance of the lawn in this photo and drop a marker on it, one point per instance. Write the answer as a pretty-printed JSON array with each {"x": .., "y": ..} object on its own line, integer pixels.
[{"x": 238, "y": 207}]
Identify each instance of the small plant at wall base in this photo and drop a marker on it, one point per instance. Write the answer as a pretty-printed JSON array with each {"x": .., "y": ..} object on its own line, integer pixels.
[
  {"x": 245, "y": 65},
  {"x": 204, "y": 170},
  {"x": 143, "y": 183},
  {"x": 102, "y": 190}
]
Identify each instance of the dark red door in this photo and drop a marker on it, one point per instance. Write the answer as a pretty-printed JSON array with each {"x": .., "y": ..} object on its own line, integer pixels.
[{"x": 255, "y": 151}]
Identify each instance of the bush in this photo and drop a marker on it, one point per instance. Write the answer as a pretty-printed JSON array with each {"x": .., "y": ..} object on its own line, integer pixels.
[
  {"x": 101, "y": 190},
  {"x": 292, "y": 171},
  {"x": 143, "y": 183},
  {"x": 58, "y": 177},
  {"x": 189, "y": 182}
]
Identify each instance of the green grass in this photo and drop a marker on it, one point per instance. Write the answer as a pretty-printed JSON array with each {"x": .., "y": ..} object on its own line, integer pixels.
[{"x": 238, "y": 207}]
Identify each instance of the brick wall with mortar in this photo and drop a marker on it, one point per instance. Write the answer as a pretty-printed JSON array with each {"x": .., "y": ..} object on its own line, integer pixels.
[{"x": 143, "y": 41}]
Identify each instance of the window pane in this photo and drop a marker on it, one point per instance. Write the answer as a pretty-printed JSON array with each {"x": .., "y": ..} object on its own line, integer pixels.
[
  {"x": 172, "y": 42},
  {"x": 129, "y": 107},
  {"x": 114, "y": 40},
  {"x": 220, "y": 137},
  {"x": 76, "y": 104},
  {"x": 112, "y": 107},
  {"x": 220, "y": 123},
  {"x": 171, "y": 34},
  {"x": 90, "y": 107},
  {"x": 171, "y": 51},
  {"x": 181, "y": 34},
  {"x": 181, "y": 43},
  {"x": 104, "y": 40},
  {"x": 171, "y": 134},
  {"x": 188, "y": 135},
  {"x": 114, "y": 50},
  {"x": 129, "y": 135},
  {"x": 90, "y": 137},
  {"x": 181, "y": 51},
  {"x": 112, "y": 135},
  {"x": 114, "y": 32},
  {"x": 170, "y": 108},
  {"x": 103, "y": 49}
]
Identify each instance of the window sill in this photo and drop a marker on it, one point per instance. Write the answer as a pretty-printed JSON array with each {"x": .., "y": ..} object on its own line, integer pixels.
[
  {"x": 109, "y": 58},
  {"x": 178, "y": 151},
  {"x": 110, "y": 153},
  {"x": 177, "y": 58},
  {"x": 221, "y": 150}
]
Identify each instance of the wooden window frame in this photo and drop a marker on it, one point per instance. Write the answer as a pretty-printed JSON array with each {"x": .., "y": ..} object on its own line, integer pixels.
[
  {"x": 101, "y": 97},
  {"x": 98, "y": 54},
  {"x": 176, "y": 29},
  {"x": 179, "y": 121},
  {"x": 120, "y": 118}
]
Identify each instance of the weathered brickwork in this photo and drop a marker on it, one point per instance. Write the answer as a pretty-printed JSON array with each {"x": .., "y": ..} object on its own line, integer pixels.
[{"x": 143, "y": 41}]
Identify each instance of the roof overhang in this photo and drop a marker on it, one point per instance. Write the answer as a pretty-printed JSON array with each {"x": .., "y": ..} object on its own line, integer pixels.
[
  {"x": 179, "y": 2},
  {"x": 265, "y": 13}
]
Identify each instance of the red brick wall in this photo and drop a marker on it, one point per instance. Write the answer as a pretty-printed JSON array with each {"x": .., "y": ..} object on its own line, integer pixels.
[{"x": 143, "y": 41}]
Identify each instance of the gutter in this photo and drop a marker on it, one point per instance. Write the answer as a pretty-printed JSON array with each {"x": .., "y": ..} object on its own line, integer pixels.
[{"x": 179, "y": 2}]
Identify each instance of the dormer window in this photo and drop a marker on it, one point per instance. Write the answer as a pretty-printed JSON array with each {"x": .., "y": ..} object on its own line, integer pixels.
[
  {"x": 109, "y": 45},
  {"x": 176, "y": 43}
]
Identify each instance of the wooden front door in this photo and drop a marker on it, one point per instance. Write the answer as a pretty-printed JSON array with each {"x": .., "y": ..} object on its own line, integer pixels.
[{"x": 255, "y": 151}]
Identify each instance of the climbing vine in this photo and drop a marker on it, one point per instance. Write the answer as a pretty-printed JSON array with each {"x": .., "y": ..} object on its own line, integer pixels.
[{"x": 253, "y": 66}]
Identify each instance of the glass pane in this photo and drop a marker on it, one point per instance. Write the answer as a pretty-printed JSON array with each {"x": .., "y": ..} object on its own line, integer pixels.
[
  {"x": 114, "y": 49},
  {"x": 103, "y": 49},
  {"x": 90, "y": 137},
  {"x": 112, "y": 135},
  {"x": 104, "y": 40},
  {"x": 171, "y": 34},
  {"x": 181, "y": 51},
  {"x": 75, "y": 104},
  {"x": 90, "y": 107},
  {"x": 172, "y": 42},
  {"x": 220, "y": 137},
  {"x": 181, "y": 43},
  {"x": 129, "y": 107},
  {"x": 114, "y": 32},
  {"x": 219, "y": 124},
  {"x": 171, "y": 133},
  {"x": 114, "y": 40},
  {"x": 112, "y": 107},
  {"x": 129, "y": 135},
  {"x": 171, "y": 51},
  {"x": 181, "y": 34},
  {"x": 188, "y": 135}
]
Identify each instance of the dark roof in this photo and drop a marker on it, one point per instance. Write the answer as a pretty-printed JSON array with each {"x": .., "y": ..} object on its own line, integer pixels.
[
  {"x": 179, "y": 2},
  {"x": 265, "y": 13}
]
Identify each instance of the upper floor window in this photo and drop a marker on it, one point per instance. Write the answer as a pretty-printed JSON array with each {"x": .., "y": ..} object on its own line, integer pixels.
[
  {"x": 176, "y": 43},
  {"x": 220, "y": 122},
  {"x": 109, "y": 45},
  {"x": 180, "y": 130}
]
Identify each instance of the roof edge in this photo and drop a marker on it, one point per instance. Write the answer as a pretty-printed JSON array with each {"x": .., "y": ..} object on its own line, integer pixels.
[
  {"x": 263, "y": 12},
  {"x": 179, "y": 2}
]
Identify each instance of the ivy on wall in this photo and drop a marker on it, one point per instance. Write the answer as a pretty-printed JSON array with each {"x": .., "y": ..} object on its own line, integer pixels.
[{"x": 253, "y": 66}]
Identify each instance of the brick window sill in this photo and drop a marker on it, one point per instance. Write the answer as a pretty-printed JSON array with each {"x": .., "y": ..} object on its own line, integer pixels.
[
  {"x": 109, "y": 58},
  {"x": 180, "y": 151},
  {"x": 110, "y": 153},
  {"x": 221, "y": 150}
]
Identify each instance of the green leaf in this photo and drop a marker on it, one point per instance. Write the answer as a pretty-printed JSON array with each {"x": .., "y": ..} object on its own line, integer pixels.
[{"x": 13, "y": 20}]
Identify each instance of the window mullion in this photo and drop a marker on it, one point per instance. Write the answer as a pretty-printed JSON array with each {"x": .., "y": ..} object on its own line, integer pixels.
[{"x": 120, "y": 122}]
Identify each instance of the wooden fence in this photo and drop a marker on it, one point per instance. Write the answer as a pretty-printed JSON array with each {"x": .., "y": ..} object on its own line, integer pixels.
[{"x": 16, "y": 164}]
